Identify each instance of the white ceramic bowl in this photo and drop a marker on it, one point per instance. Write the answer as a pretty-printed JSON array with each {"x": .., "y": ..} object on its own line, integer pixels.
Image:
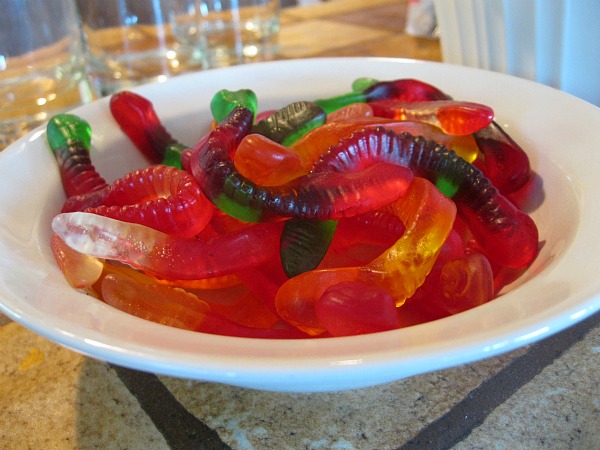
[{"x": 560, "y": 133}]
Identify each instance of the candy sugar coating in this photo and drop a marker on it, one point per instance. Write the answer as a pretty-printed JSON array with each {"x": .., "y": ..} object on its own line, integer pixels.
[
  {"x": 400, "y": 270},
  {"x": 69, "y": 138}
]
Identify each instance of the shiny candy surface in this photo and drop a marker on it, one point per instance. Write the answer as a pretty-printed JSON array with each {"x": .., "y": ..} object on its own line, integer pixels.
[
  {"x": 428, "y": 217},
  {"x": 69, "y": 138},
  {"x": 137, "y": 118},
  {"x": 327, "y": 363}
]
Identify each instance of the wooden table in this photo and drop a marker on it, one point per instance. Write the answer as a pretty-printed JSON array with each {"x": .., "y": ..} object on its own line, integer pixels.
[
  {"x": 352, "y": 28},
  {"x": 542, "y": 396}
]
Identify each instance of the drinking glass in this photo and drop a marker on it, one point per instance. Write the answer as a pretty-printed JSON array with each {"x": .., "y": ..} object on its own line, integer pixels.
[
  {"x": 130, "y": 42},
  {"x": 41, "y": 64},
  {"x": 232, "y": 31}
]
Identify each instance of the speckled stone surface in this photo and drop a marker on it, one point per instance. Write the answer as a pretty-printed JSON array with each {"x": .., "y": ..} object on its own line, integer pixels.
[
  {"x": 53, "y": 398},
  {"x": 372, "y": 418},
  {"x": 558, "y": 409}
]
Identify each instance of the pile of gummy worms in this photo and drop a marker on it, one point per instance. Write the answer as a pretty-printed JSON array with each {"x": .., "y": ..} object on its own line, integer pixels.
[{"x": 377, "y": 209}]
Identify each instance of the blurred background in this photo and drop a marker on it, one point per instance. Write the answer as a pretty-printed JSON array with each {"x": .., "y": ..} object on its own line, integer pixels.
[{"x": 57, "y": 55}]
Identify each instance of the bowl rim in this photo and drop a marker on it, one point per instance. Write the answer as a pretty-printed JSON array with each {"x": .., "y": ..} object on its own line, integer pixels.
[{"x": 331, "y": 363}]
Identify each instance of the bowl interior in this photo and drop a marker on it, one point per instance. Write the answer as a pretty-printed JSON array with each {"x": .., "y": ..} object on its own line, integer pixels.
[{"x": 556, "y": 288}]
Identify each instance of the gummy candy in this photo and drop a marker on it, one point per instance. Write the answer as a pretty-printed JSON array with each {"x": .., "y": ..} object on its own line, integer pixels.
[
  {"x": 164, "y": 255},
  {"x": 313, "y": 196},
  {"x": 408, "y": 90},
  {"x": 428, "y": 217},
  {"x": 360, "y": 213},
  {"x": 138, "y": 120},
  {"x": 507, "y": 235},
  {"x": 69, "y": 138}
]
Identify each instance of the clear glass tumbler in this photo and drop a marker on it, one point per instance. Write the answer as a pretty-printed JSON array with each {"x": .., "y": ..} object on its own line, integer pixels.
[
  {"x": 130, "y": 42},
  {"x": 42, "y": 68}
]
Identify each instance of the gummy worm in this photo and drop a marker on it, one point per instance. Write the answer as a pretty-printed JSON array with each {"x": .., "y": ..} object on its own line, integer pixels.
[
  {"x": 379, "y": 227},
  {"x": 503, "y": 160},
  {"x": 161, "y": 197},
  {"x": 409, "y": 90},
  {"x": 69, "y": 138},
  {"x": 351, "y": 112},
  {"x": 400, "y": 270},
  {"x": 508, "y": 235},
  {"x": 351, "y": 308},
  {"x": 138, "y": 120},
  {"x": 166, "y": 256},
  {"x": 310, "y": 148},
  {"x": 225, "y": 101},
  {"x": 202, "y": 284},
  {"x": 266, "y": 162},
  {"x": 178, "y": 308},
  {"x": 453, "y": 117},
  {"x": 304, "y": 242},
  {"x": 80, "y": 271},
  {"x": 290, "y": 123},
  {"x": 177, "y": 206},
  {"x": 313, "y": 196}
]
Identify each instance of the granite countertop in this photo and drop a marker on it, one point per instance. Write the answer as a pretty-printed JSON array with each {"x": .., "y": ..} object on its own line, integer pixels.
[{"x": 544, "y": 396}]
